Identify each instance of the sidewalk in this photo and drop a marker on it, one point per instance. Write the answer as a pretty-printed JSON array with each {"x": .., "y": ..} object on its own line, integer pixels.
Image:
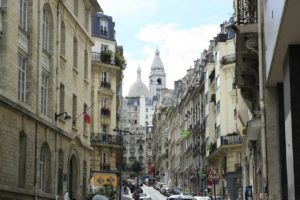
[{"x": 126, "y": 196}]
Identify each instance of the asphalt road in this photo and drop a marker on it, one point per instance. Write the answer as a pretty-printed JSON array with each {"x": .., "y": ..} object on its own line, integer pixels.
[{"x": 155, "y": 194}]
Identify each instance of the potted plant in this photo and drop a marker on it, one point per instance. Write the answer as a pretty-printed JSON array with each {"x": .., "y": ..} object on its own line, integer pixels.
[{"x": 106, "y": 56}]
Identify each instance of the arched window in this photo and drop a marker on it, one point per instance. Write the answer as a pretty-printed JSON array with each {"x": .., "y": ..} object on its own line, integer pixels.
[
  {"x": 22, "y": 159},
  {"x": 159, "y": 81},
  {"x": 76, "y": 8},
  {"x": 60, "y": 174},
  {"x": 45, "y": 35},
  {"x": 86, "y": 64},
  {"x": 62, "y": 39},
  {"x": 45, "y": 168},
  {"x": 23, "y": 14},
  {"x": 75, "y": 52}
]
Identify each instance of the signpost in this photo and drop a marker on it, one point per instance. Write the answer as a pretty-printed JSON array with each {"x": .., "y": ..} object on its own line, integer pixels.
[{"x": 214, "y": 175}]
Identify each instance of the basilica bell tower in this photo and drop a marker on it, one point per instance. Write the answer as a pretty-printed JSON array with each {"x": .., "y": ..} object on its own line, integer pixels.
[{"x": 157, "y": 78}]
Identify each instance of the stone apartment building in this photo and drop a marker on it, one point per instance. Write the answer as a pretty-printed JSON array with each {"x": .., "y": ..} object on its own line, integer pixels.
[
  {"x": 45, "y": 81},
  {"x": 107, "y": 72}
]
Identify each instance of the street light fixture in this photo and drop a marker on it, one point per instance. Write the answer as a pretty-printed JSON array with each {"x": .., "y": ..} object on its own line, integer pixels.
[
  {"x": 121, "y": 132},
  {"x": 66, "y": 116}
]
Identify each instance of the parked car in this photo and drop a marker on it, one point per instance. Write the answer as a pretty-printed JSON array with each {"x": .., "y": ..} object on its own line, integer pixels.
[
  {"x": 201, "y": 198},
  {"x": 180, "y": 197},
  {"x": 162, "y": 186},
  {"x": 144, "y": 196},
  {"x": 168, "y": 191},
  {"x": 175, "y": 190},
  {"x": 151, "y": 181},
  {"x": 157, "y": 185}
]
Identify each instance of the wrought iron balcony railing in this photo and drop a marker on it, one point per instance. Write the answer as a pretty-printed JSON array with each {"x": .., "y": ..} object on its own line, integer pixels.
[
  {"x": 105, "y": 111},
  {"x": 105, "y": 85},
  {"x": 232, "y": 139},
  {"x": 105, "y": 166},
  {"x": 246, "y": 12},
  {"x": 105, "y": 138}
]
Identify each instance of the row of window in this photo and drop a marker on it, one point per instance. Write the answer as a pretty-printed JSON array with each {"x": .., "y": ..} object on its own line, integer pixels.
[
  {"x": 45, "y": 165},
  {"x": 46, "y": 59}
]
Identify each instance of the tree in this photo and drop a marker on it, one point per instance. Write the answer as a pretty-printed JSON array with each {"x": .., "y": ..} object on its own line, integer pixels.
[
  {"x": 120, "y": 60},
  {"x": 136, "y": 167}
]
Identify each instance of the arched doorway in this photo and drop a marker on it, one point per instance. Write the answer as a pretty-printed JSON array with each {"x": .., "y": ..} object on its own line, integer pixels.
[{"x": 73, "y": 177}]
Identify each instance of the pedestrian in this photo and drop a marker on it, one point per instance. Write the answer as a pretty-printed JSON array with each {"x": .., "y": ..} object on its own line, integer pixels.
[
  {"x": 227, "y": 197},
  {"x": 66, "y": 197}
]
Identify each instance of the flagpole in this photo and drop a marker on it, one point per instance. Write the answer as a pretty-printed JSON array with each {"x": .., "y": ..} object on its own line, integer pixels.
[{"x": 84, "y": 112}]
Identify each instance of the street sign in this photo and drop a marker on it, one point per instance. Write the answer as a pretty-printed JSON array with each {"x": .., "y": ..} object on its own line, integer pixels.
[
  {"x": 223, "y": 182},
  {"x": 213, "y": 174}
]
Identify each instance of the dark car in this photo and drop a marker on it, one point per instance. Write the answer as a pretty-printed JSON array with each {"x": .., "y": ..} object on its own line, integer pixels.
[{"x": 175, "y": 191}]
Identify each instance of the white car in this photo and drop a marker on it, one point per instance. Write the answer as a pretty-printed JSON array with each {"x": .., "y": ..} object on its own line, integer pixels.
[
  {"x": 144, "y": 196},
  {"x": 201, "y": 198},
  {"x": 180, "y": 197}
]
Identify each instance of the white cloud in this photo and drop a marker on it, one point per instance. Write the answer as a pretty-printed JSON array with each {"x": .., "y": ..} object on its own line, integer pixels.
[{"x": 178, "y": 47}]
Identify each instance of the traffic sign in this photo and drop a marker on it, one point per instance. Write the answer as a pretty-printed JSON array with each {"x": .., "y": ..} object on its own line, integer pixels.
[
  {"x": 213, "y": 174},
  {"x": 223, "y": 182}
]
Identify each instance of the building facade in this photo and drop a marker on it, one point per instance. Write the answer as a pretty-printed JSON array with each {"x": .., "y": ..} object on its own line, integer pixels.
[
  {"x": 107, "y": 72},
  {"x": 45, "y": 145},
  {"x": 137, "y": 116}
]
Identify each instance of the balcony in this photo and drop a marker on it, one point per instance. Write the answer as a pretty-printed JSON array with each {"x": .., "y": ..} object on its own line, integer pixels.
[
  {"x": 103, "y": 57},
  {"x": 132, "y": 158},
  {"x": 228, "y": 59},
  {"x": 141, "y": 151},
  {"x": 106, "y": 85},
  {"x": 228, "y": 141},
  {"x": 132, "y": 150},
  {"x": 105, "y": 112},
  {"x": 105, "y": 138},
  {"x": 105, "y": 166},
  {"x": 140, "y": 141},
  {"x": 246, "y": 12},
  {"x": 232, "y": 139}
]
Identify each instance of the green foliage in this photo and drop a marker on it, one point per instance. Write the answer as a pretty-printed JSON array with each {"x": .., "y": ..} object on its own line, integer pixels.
[
  {"x": 120, "y": 60},
  {"x": 136, "y": 167},
  {"x": 185, "y": 134},
  {"x": 106, "y": 56}
]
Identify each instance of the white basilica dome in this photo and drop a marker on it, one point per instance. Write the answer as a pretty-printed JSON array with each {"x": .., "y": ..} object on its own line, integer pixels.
[{"x": 139, "y": 88}]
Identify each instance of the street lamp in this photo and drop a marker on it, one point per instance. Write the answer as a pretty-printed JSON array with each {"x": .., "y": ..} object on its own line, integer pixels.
[
  {"x": 66, "y": 116},
  {"x": 121, "y": 132}
]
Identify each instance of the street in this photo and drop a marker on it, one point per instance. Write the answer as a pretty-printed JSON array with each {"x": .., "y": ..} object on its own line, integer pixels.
[{"x": 155, "y": 194}]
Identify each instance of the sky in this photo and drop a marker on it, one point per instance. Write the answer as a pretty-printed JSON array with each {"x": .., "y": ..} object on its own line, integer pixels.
[{"x": 180, "y": 29}]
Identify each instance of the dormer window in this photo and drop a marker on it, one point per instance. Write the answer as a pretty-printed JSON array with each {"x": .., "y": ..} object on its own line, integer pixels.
[{"x": 103, "y": 27}]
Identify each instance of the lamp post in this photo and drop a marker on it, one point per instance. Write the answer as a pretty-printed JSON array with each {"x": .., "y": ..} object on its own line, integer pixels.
[{"x": 121, "y": 132}]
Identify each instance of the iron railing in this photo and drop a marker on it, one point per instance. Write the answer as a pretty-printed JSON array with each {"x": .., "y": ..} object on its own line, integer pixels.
[
  {"x": 247, "y": 12},
  {"x": 105, "y": 138},
  {"x": 105, "y": 85},
  {"x": 232, "y": 139},
  {"x": 105, "y": 166}
]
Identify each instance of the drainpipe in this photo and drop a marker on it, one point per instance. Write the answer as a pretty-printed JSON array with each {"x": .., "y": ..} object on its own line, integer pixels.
[
  {"x": 37, "y": 105},
  {"x": 261, "y": 96},
  {"x": 58, "y": 39},
  {"x": 36, "y": 161}
]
